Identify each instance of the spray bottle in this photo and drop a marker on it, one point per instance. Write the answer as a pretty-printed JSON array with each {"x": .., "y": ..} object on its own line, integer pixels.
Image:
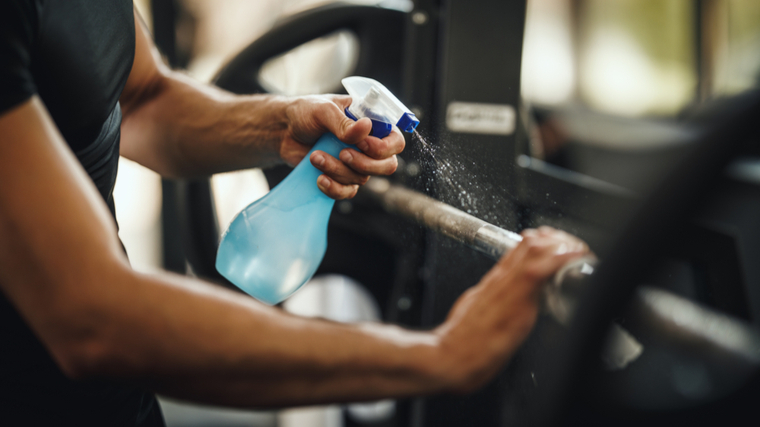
[{"x": 275, "y": 245}]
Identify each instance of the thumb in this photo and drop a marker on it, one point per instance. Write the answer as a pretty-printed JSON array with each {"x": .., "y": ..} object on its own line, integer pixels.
[
  {"x": 354, "y": 132},
  {"x": 350, "y": 131},
  {"x": 345, "y": 128}
]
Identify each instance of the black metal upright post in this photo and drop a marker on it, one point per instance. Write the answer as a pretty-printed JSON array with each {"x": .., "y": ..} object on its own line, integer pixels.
[{"x": 477, "y": 74}]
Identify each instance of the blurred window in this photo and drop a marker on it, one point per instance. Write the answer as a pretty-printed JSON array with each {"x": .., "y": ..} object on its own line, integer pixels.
[
  {"x": 314, "y": 67},
  {"x": 626, "y": 57},
  {"x": 589, "y": 66},
  {"x": 734, "y": 45},
  {"x": 637, "y": 57},
  {"x": 548, "y": 62},
  {"x": 222, "y": 28}
]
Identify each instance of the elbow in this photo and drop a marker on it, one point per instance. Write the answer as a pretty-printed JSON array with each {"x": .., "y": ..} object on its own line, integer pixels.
[
  {"x": 93, "y": 352},
  {"x": 96, "y": 357},
  {"x": 88, "y": 338},
  {"x": 83, "y": 360}
]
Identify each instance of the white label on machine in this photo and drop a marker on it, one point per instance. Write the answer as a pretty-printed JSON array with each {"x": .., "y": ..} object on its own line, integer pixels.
[{"x": 471, "y": 117}]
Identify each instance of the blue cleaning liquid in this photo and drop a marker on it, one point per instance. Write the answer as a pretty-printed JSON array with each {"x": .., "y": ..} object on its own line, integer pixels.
[{"x": 275, "y": 245}]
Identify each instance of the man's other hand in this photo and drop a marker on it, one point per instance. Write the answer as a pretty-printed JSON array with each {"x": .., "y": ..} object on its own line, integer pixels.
[
  {"x": 312, "y": 116},
  {"x": 490, "y": 321}
]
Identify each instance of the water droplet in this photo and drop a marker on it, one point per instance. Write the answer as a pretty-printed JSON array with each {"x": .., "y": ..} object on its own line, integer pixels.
[{"x": 404, "y": 303}]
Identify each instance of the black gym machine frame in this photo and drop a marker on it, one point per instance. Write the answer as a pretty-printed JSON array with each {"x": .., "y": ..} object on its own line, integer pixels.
[{"x": 461, "y": 50}]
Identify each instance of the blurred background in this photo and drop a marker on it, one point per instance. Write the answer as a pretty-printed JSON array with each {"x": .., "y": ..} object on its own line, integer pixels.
[
  {"x": 639, "y": 59},
  {"x": 623, "y": 57}
]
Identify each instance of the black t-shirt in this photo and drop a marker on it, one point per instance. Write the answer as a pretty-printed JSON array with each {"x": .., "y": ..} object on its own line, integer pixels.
[{"x": 75, "y": 55}]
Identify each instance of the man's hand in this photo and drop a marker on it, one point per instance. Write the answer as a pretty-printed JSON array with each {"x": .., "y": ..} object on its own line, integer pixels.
[
  {"x": 181, "y": 128},
  {"x": 310, "y": 117},
  {"x": 490, "y": 321}
]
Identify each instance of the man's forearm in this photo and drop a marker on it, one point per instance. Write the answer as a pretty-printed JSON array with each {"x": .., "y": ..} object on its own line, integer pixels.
[
  {"x": 182, "y": 128},
  {"x": 198, "y": 342}
]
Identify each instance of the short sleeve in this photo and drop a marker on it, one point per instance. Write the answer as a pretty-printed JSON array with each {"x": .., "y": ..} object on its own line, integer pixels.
[{"x": 18, "y": 26}]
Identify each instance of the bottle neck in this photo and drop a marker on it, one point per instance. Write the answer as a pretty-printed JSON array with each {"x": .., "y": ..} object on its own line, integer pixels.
[{"x": 300, "y": 186}]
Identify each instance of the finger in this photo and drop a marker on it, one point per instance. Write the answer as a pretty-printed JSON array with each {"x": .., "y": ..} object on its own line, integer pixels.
[
  {"x": 546, "y": 231},
  {"x": 538, "y": 246},
  {"x": 550, "y": 265},
  {"x": 366, "y": 165},
  {"x": 342, "y": 101},
  {"x": 347, "y": 130},
  {"x": 336, "y": 170},
  {"x": 552, "y": 232},
  {"x": 378, "y": 148},
  {"x": 569, "y": 240},
  {"x": 336, "y": 190},
  {"x": 529, "y": 232},
  {"x": 520, "y": 253},
  {"x": 555, "y": 244}
]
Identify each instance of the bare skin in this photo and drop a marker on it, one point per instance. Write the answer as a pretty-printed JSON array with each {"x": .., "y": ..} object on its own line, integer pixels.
[
  {"x": 181, "y": 128},
  {"x": 65, "y": 272}
]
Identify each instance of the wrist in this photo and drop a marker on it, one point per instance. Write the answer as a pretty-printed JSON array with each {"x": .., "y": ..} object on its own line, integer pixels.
[
  {"x": 459, "y": 360},
  {"x": 269, "y": 123},
  {"x": 296, "y": 140},
  {"x": 416, "y": 358},
  {"x": 283, "y": 108},
  {"x": 480, "y": 334}
]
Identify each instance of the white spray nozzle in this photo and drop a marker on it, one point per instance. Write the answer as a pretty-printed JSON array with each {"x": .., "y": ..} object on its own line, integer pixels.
[{"x": 371, "y": 99}]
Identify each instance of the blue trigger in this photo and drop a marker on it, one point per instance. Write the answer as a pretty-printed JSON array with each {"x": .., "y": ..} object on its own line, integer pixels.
[{"x": 379, "y": 129}]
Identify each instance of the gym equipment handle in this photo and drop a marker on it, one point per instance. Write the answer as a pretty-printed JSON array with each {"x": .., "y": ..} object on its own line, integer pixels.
[{"x": 653, "y": 312}]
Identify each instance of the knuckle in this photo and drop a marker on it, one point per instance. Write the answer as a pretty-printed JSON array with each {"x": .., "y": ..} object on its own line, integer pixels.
[
  {"x": 401, "y": 144},
  {"x": 392, "y": 165},
  {"x": 533, "y": 273},
  {"x": 362, "y": 164},
  {"x": 340, "y": 100},
  {"x": 347, "y": 192},
  {"x": 535, "y": 247},
  {"x": 339, "y": 192},
  {"x": 331, "y": 193},
  {"x": 320, "y": 113},
  {"x": 371, "y": 150},
  {"x": 394, "y": 149},
  {"x": 345, "y": 125},
  {"x": 330, "y": 165},
  {"x": 383, "y": 147}
]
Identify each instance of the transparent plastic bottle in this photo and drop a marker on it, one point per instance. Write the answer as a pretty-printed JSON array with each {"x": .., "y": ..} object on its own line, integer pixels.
[{"x": 275, "y": 245}]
